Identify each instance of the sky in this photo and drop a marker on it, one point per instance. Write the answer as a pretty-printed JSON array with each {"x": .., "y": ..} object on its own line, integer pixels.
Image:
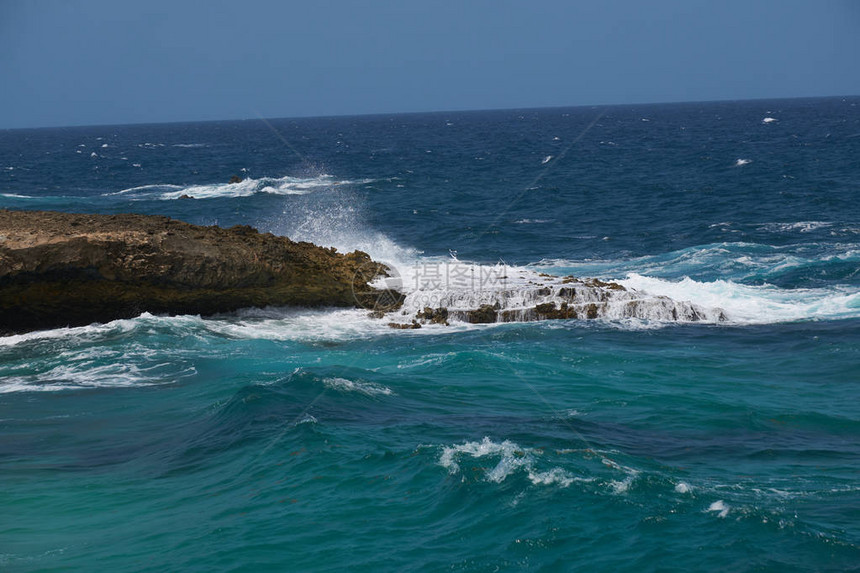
[{"x": 93, "y": 62}]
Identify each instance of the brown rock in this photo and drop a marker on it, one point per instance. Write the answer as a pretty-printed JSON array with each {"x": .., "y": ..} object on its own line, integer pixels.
[
  {"x": 484, "y": 314},
  {"x": 434, "y": 316},
  {"x": 59, "y": 269}
]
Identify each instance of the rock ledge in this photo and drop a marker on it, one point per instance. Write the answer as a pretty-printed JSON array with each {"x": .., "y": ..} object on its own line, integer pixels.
[{"x": 62, "y": 269}]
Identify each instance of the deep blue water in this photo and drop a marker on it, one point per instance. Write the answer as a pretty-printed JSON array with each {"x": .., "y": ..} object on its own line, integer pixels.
[{"x": 316, "y": 439}]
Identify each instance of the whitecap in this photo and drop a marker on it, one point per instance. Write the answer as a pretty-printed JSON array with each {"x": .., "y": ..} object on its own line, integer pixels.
[
  {"x": 741, "y": 162},
  {"x": 546, "y": 159},
  {"x": 511, "y": 459},
  {"x": 367, "y": 388},
  {"x": 800, "y": 226},
  {"x": 553, "y": 476},
  {"x": 621, "y": 486},
  {"x": 79, "y": 373},
  {"x": 720, "y": 508},
  {"x": 769, "y": 120},
  {"x": 247, "y": 187},
  {"x": 754, "y": 304},
  {"x": 299, "y": 324}
]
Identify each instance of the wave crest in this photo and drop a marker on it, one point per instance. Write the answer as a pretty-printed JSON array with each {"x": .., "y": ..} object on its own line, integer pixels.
[{"x": 247, "y": 187}]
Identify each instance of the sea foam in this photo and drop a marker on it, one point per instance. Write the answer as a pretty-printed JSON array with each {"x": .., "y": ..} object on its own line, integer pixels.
[
  {"x": 748, "y": 304},
  {"x": 247, "y": 187},
  {"x": 511, "y": 458}
]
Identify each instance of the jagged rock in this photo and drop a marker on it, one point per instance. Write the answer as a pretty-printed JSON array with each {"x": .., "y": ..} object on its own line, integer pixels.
[
  {"x": 61, "y": 269},
  {"x": 434, "y": 316},
  {"x": 235, "y": 179},
  {"x": 548, "y": 310},
  {"x": 404, "y": 326},
  {"x": 560, "y": 298},
  {"x": 602, "y": 284},
  {"x": 485, "y": 314},
  {"x": 592, "y": 283}
]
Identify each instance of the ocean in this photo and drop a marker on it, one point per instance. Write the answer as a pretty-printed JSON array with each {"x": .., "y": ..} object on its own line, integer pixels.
[{"x": 302, "y": 439}]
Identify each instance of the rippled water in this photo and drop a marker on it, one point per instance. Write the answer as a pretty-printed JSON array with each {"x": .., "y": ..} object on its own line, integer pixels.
[{"x": 316, "y": 439}]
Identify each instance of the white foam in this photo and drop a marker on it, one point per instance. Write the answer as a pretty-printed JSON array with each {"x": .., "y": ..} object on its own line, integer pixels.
[
  {"x": 80, "y": 333},
  {"x": 801, "y": 226},
  {"x": 769, "y": 120},
  {"x": 682, "y": 487},
  {"x": 512, "y": 458},
  {"x": 745, "y": 304},
  {"x": 307, "y": 325},
  {"x": 553, "y": 476},
  {"x": 145, "y": 189},
  {"x": 247, "y": 187},
  {"x": 621, "y": 486},
  {"x": 720, "y": 508},
  {"x": 78, "y": 372},
  {"x": 515, "y": 292},
  {"x": 546, "y": 160},
  {"x": 740, "y": 162},
  {"x": 341, "y": 224},
  {"x": 367, "y": 388}
]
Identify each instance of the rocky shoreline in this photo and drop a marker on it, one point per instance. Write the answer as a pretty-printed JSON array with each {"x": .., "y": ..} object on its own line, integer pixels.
[{"x": 62, "y": 269}]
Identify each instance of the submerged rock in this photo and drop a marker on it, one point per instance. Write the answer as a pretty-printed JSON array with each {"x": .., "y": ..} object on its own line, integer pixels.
[
  {"x": 434, "y": 316},
  {"x": 404, "y": 326},
  {"x": 554, "y": 298},
  {"x": 61, "y": 269}
]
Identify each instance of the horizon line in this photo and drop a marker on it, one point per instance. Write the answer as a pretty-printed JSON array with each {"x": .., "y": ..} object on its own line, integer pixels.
[{"x": 258, "y": 117}]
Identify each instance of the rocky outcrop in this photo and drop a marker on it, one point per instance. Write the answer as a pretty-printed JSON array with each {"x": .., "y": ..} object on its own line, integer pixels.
[
  {"x": 60, "y": 269},
  {"x": 547, "y": 297}
]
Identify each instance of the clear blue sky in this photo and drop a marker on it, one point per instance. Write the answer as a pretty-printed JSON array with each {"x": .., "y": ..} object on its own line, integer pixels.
[{"x": 82, "y": 62}]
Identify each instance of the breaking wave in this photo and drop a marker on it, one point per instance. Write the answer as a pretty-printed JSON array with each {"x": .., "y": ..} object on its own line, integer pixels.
[{"x": 247, "y": 187}]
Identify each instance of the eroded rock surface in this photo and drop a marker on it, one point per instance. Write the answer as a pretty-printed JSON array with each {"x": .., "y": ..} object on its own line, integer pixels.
[{"x": 61, "y": 269}]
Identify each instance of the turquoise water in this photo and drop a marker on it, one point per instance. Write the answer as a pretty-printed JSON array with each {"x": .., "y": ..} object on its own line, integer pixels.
[{"x": 316, "y": 439}]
